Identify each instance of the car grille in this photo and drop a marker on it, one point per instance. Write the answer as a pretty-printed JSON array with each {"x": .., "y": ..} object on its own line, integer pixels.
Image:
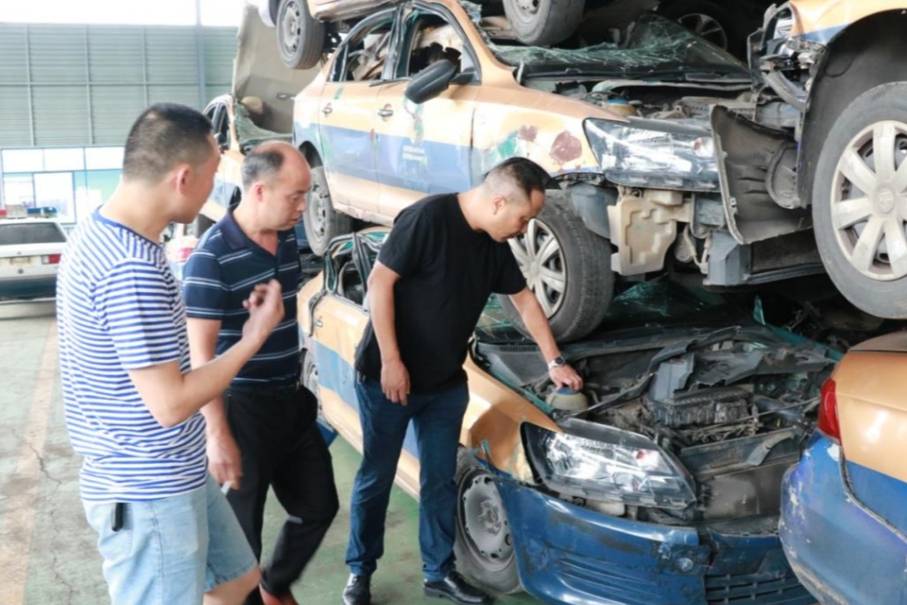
[
  {"x": 599, "y": 577},
  {"x": 762, "y": 588}
]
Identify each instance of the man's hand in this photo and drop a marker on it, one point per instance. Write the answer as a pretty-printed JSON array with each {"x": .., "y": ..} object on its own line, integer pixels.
[
  {"x": 265, "y": 306},
  {"x": 224, "y": 458},
  {"x": 395, "y": 381},
  {"x": 565, "y": 376}
]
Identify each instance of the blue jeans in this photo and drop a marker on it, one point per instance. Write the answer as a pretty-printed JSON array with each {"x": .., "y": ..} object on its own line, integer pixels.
[
  {"x": 172, "y": 550},
  {"x": 436, "y": 418}
]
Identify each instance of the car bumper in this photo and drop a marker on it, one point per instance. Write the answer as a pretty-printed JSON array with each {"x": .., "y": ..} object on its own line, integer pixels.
[
  {"x": 570, "y": 554},
  {"x": 839, "y": 550},
  {"x": 42, "y": 286}
]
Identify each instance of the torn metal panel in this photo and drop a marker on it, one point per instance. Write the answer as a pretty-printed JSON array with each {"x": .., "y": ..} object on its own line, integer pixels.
[{"x": 749, "y": 160}]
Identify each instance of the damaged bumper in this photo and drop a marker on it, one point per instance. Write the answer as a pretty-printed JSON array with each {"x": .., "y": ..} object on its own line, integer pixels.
[
  {"x": 570, "y": 554},
  {"x": 839, "y": 550}
]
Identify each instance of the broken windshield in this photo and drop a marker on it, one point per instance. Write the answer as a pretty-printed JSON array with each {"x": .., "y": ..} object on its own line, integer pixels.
[{"x": 652, "y": 48}]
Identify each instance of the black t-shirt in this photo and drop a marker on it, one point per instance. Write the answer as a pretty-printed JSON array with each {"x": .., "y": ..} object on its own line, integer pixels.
[{"x": 447, "y": 272}]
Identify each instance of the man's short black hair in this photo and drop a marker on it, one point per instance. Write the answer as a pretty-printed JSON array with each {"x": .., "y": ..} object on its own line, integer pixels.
[
  {"x": 263, "y": 162},
  {"x": 164, "y": 135},
  {"x": 524, "y": 173}
]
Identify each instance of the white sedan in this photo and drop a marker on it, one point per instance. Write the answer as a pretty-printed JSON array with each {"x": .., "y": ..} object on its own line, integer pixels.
[{"x": 30, "y": 252}]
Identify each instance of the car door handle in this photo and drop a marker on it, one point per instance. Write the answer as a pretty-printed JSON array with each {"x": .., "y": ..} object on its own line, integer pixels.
[
  {"x": 327, "y": 109},
  {"x": 386, "y": 111},
  {"x": 319, "y": 323}
]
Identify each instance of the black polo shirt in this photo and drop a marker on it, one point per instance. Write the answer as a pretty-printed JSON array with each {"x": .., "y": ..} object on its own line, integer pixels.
[{"x": 219, "y": 276}]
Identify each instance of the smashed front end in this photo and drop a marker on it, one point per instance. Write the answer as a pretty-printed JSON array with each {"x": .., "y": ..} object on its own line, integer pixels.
[{"x": 663, "y": 484}]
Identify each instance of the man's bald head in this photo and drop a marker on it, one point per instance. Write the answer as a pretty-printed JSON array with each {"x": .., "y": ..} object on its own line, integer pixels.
[
  {"x": 276, "y": 179},
  {"x": 264, "y": 162}
]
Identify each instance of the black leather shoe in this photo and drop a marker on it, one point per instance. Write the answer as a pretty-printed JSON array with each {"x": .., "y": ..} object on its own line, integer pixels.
[
  {"x": 357, "y": 590},
  {"x": 455, "y": 588}
]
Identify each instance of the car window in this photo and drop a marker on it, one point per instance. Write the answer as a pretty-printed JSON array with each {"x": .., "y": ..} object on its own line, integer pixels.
[
  {"x": 429, "y": 37},
  {"x": 342, "y": 276},
  {"x": 362, "y": 56},
  {"x": 31, "y": 233}
]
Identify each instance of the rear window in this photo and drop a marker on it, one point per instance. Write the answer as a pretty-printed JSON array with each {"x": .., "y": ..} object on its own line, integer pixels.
[{"x": 30, "y": 233}]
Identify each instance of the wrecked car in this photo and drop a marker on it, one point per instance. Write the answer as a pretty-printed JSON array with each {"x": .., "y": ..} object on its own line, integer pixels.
[
  {"x": 308, "y": 28},
  {"x": 426, "y": 96},
  {"x": 843, "y": 521},
  {"x": 659, "y": 483},
  {"x": 823, "y": 146}
]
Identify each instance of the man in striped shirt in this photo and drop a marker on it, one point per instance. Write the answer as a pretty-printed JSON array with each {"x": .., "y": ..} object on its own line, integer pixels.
[
  {"x": 262, "y": 433},
  {"x": 165, "y": 532}
]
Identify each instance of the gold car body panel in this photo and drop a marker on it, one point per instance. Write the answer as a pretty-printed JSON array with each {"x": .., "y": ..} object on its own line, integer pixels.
[
  {"x": 816, "y": 15},
  {"x": 870, "y": 386},
  {"x": 341, "y": 10}
]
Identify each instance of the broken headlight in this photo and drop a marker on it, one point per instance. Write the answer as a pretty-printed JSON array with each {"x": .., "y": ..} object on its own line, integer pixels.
[
  {"x": 604, "y": 463},
  {"x": 658, "y": 154}
]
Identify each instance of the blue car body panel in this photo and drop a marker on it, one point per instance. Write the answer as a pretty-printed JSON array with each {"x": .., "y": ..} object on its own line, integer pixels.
[
  {"x": 843, "y": 552},
  {"x": 569, "y": 554}
]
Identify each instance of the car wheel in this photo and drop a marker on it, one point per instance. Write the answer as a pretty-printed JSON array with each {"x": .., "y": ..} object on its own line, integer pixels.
[
  {"x": 711, "y": 21},
  {"x": 483, "y": 545},
  {"x": 541, "y": 22},
  {"x": 859, "y": 201},
  {"x": 323, "y": 223},
  {"x": 568, "y": 268},
  {"x": 300, "y": 37}
]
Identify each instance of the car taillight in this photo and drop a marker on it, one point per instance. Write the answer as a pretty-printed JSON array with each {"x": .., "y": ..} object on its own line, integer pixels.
[
  {"x": 183, "y": 254},
  {"x": 828, "y": 411},
  {"x": 51, "y": 259}
]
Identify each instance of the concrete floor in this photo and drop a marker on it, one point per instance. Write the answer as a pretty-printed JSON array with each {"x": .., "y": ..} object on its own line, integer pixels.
[{"x": 47, "y": 551}]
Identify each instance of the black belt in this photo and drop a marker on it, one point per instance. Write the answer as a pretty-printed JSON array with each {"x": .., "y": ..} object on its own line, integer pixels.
[{"x": 267, "y": 389}]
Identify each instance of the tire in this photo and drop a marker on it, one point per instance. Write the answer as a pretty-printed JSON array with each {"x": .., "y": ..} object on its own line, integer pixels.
[
  {"x": 300, "y": 37},
  {"x": 580, "y": 256},
  {"x": 322, "y": 222},
  {"x": 483, "y": 546},
  {"x": 875, "y": 282},
  {"x": 542, "y": 22},
  {"x": 711, "y": 21}
]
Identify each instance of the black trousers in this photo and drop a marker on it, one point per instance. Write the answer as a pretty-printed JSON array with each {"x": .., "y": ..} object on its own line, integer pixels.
[{"x": 282, "y": 448}]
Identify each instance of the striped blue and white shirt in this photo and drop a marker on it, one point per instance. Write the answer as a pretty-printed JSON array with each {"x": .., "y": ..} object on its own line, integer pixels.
[
  {"x": 119, "y": 309},
  {"x": 219, "y": 276}
]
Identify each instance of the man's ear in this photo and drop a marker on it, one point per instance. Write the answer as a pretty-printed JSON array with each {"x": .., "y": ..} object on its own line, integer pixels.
[
  {"x": 498, "y": 203},
  {"x": 181, "y": 176}
]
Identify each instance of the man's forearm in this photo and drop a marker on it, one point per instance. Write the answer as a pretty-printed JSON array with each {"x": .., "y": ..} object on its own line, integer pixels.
[
  {"x": 382, "y": 310},
  {"x": 537, "y": 324}
]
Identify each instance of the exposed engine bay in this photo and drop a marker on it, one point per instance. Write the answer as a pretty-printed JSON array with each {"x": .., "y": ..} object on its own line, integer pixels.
[{"x": 674, "y": 424}]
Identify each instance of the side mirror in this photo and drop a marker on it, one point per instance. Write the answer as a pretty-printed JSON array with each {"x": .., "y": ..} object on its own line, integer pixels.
[{"x": 431, "y": 81}]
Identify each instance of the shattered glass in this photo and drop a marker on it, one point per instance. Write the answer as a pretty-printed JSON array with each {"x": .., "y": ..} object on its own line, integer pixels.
[{"x": 654, "y": 47}]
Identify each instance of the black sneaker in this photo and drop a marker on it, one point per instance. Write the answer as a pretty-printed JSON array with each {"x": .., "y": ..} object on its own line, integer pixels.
[
  {"x": 357, "y": 590},
  {"x": 455, "y": 588}
]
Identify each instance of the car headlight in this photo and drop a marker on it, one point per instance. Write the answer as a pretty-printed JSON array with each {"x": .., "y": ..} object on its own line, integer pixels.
[
  {"x": 658, "y": 154},
  {"x": 604, "y": 463}
]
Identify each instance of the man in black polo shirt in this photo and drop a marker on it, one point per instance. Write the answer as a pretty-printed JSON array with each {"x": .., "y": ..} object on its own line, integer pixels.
[
  {"x": 262, "y": 432},
  {"x": 445, "y": 255}
]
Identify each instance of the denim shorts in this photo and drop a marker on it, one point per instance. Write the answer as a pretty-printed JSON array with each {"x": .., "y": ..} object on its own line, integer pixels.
[{"x": 172, "y": 550}]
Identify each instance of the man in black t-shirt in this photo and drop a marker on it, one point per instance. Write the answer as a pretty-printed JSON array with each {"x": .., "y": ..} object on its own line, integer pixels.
[{"x": 444, "y": 257}]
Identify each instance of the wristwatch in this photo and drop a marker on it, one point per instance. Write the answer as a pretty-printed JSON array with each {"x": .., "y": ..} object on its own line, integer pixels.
[{"x": 557, "y": 362}]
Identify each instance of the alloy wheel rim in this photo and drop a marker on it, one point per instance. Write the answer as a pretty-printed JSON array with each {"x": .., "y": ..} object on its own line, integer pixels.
[
  {"x": 869, "y": 201},
  {"x": 541, "y": 259},
  {"x": 705, "y": 26}
]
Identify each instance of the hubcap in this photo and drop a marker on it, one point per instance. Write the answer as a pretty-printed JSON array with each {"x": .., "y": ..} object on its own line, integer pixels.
[
  {"x": 869, "y": 201},
  {"x": 528, "y": 7},
  {"x": 706, "y": 27},
  {"x": 318, "y": 205},
  {"x": 291, "y": 26},
  {"x": 542, "y": 261},
  {"x": 482, "y": 513}
]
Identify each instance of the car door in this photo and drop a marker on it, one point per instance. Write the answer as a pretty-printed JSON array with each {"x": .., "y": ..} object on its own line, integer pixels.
[
  {"x": 425, "y": 148},
  {"x": 347, "y": 114}
]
